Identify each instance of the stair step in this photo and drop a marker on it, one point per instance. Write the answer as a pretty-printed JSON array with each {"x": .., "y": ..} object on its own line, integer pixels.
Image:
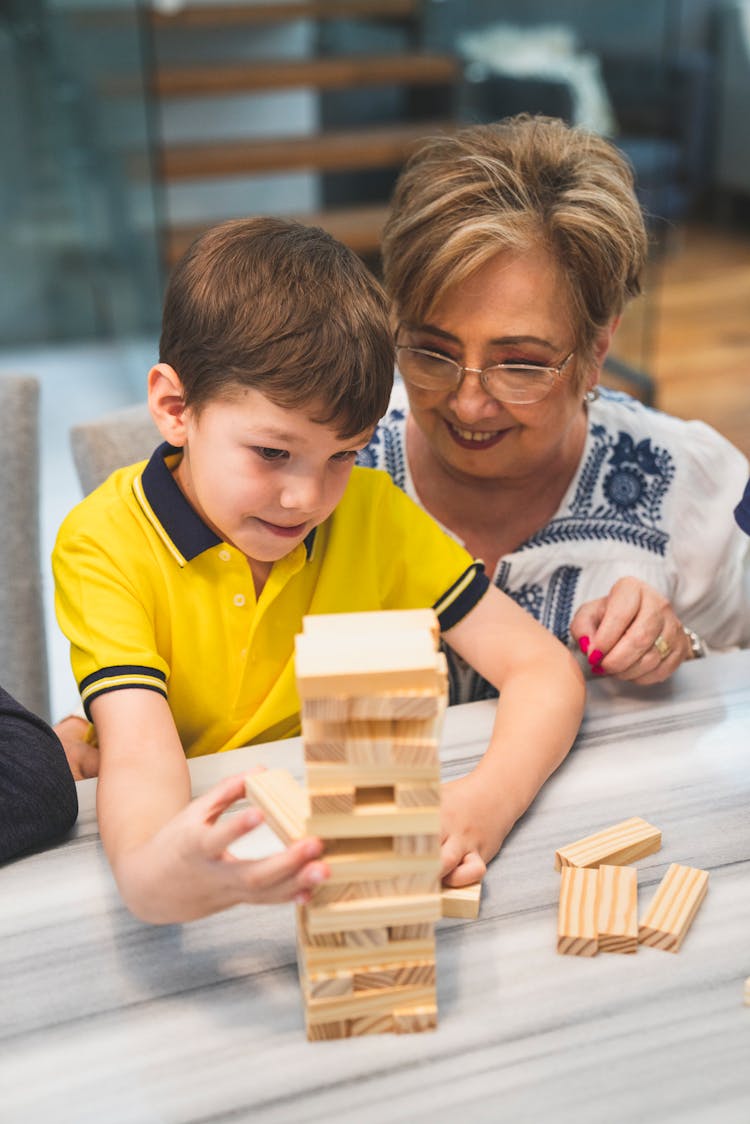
[
  {"x": 409, "y": 69},
  {"x": 380, "y": 147},
  {"x": 358, "y": 227},
  {"x": 217, "y": 15}
]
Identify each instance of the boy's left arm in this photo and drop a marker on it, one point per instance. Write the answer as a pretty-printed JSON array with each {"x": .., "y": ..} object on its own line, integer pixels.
[{"x": 542, "y": 695}]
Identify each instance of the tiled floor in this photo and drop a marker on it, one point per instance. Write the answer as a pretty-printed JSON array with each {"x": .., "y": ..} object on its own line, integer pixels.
[{"x": 78, "y": 382}]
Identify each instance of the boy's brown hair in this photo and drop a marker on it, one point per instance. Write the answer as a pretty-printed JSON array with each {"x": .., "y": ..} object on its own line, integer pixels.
[{"x": 283, "y": 308}]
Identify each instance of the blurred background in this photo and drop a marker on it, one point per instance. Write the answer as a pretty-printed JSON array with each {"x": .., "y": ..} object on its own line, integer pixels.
[{"x": 128, "y": 127}]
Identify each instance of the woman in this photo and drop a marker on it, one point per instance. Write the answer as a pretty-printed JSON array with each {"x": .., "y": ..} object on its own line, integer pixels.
[{"x": 509, "y": 255}]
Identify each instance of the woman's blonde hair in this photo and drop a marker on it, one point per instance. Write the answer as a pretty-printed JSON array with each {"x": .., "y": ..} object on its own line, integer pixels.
[{"x": 522, "y": 183}]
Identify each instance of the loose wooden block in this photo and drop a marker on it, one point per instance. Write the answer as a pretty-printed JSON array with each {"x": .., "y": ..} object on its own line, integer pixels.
[
  {"x": 341, "y": 665},
  {"x": 616, "y": 846},
  {"x": 673, "y": 907},
  {"x": 283, "y": 801},
  {"x": 462, "y": 901},
  {"x": 389, "y": 621},
  {"x": 618, "y": 909},
  {"x": 577, "y": 914}
]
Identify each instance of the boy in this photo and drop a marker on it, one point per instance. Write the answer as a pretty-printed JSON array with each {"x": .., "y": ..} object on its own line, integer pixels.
[{"x": 181, "y": 584}]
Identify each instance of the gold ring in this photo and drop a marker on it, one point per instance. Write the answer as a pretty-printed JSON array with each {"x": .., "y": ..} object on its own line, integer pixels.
[{"x": 662, "y": 647}]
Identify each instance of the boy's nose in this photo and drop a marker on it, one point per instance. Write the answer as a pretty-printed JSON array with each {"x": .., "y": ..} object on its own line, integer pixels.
[{"x": 302, "y": 493}]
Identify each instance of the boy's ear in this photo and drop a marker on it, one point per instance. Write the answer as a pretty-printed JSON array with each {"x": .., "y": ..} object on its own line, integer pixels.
[{"x": 166, "y": 403}]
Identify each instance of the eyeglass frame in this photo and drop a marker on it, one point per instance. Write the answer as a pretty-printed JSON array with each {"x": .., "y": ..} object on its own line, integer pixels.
[{"x": 555, "y": 371}]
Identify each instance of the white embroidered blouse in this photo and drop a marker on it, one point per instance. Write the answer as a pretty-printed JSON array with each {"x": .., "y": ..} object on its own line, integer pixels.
[{"x": 653, "y": 498}]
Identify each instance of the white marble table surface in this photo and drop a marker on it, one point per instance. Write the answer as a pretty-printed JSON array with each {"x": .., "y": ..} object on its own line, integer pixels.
[{"x": 106, "y": 1020}]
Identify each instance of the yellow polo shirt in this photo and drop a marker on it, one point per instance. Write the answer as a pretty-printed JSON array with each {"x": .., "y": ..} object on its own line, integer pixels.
[{"x": 150, "y": 597}]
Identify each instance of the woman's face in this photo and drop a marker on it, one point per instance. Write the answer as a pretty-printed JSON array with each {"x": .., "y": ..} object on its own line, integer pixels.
[{"x": 512, "y": 309}]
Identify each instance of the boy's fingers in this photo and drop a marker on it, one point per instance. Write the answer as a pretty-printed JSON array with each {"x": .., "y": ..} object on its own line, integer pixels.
[
  {"x": 228, "y": 830},
  {"x": 451, "y": 854},
  {"x": 282, "y": 876},
  {"x": 471, "y": 868},
  {"x": 227, "y": 792}
]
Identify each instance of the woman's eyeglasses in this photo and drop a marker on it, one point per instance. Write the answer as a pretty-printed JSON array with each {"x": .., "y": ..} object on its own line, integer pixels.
[{"x": 506, "y": 382}]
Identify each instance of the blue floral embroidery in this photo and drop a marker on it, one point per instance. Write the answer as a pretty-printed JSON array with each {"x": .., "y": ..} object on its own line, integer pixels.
[
  {"x": 386, "y": 449},
  {"x": 619, "y": 496}
]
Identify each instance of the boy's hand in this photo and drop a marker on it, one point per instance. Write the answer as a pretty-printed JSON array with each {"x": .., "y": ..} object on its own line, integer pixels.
[
  {"x": 185, "y": 871},
  {"x": 472, "y": 829},
  {"x": 83, "y": 757}
]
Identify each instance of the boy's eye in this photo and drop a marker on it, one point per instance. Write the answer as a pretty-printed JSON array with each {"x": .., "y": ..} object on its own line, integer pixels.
[
  {"x": 349, "y": 455},
  {"x": 270, "y": 454}
]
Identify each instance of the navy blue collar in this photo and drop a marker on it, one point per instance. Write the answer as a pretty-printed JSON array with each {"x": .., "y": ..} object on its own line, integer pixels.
[{"x": 180, "y": 521}]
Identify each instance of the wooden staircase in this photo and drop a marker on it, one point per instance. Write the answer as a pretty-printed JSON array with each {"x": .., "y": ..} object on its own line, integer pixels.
[{"x": 425, "y": 79}]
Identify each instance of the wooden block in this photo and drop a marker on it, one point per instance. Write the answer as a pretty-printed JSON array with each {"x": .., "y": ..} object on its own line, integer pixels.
[
  {"x": 317, "y": 985},
  {"x": 375, "y": 819},
  {"x": 324, "y": 1032},
  {"x": 375, "y": 937},
  {"x": 341, "y": 665},
  {"x": 394, "y": 975},
  {"x": 372, "y": 1024},
  {"x": 414, "y": 1020},
  {"x": 370, "y": 913},
  {"x": 400, "y": 935},
  {"x": 417, "y": 844},
  {"x": 352, "y": 865},
  {"x": 283, "y": 801},
  {"x": 360, "y": 959},
  {"x": 361, "y": 1004},
  {"x": 409, "y": 795},
  {"x": 462, "y": 901},
  {"x": 328, "y": 774},
  {"x": 577, "y": 914},
  {"x": 616, "y": 846},
  {"x": 328, "y": 892},
  {"x": 617, "y": 911},
  {"x": 389, "y": 621},
  {"x": 674, "y": 905},
  {"x": 396, "y": 705},
  {"x": 325, "y": 800}
]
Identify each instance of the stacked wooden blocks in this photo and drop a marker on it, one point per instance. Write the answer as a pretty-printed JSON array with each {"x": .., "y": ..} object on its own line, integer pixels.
[
  {"x": 599, "y": 894},
  {"x": 373, "y": 688}
]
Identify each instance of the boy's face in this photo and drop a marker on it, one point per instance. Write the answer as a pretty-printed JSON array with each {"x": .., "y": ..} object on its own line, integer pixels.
[{"x": 262, "y": 476}]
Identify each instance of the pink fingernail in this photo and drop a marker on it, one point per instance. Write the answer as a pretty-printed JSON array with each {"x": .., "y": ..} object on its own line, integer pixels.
[
  {"x": 596, "y": 657},
  {"x": 583, "y": 644},
  {"x": 598, "y": 670}
]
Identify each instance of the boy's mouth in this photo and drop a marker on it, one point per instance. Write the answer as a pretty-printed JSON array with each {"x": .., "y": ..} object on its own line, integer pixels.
[{"x": 282, "y": 530}]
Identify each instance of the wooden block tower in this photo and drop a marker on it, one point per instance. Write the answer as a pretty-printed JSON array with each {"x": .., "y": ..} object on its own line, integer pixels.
[{"x": 373, "y": 688}]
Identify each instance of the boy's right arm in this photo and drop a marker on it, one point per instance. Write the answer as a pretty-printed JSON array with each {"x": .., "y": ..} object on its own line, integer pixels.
[{"x": 169, "y": 853}]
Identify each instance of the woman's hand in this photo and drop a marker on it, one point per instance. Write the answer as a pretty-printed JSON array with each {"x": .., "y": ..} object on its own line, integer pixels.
[
  {"x": 633, "y": 633},
  {"x": 186, "y": 871}
]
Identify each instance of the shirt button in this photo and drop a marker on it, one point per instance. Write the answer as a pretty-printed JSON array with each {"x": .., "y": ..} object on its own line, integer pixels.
[
  {"x": 243, "y": 654},
  {"x": 239, "y": 600},
  {"x": 224, "y": 555}
]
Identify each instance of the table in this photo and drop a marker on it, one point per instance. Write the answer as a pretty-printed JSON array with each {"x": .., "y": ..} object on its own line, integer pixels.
[{"x": 106, "y": 1020}]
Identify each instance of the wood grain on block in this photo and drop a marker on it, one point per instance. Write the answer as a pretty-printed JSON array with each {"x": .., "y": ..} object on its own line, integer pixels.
[
  {"x": 390, "y": 621},
  {"x": 283, "y": 801},
  {"x": 350, "y": 959},
  {"x": 397, "y": 704},
  {"x": 329, "y": 774},
  {"x": 417, "y": 844},
  {"x": 381, "y": 887},
  {"x": 326, "y": 1032},
  {"x": 617, "y": 845},
  {"x": 394, "y": 975},
  {"x": 410, "y": 795},
  {"x": 372, "y": 1024},
  {"x": 618, "y": 909},
  {"x": 462, "y": 901},
  {"x": 419, "y": 932},
  {"x": 341, "y": 665},
  {"x": 376, "y": 937},
  {"x": 577, "y": 913},
  {"x": 414, "y": 1020},
  {"x": 363, "y": 1003},
  {"x": 375, "y": 819},
  {"x": 339, "y": 799},
  {"x": 318, "y": 985},
  {"x": 370, "y": 913},
  {"x": 673, "y": 907}
]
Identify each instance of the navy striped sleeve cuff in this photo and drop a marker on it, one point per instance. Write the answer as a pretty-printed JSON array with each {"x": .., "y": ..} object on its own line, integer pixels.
[
  {"x": 462, "y": 596},
  {"x": 120, "y": 678}
]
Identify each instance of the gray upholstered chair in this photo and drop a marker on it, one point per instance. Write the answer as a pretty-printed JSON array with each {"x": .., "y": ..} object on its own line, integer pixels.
[
  {"x": 23, "y": 648},
  {"x": 111, "y": 441}
]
